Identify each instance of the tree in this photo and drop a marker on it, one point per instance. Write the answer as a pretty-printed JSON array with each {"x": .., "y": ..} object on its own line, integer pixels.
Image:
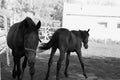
[
  {"x": 3, "y": 4},
  {"x": 58, "y": 11}
]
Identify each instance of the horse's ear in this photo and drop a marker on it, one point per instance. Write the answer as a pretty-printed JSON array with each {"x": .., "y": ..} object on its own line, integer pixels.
[
  {"x": 88, "y": 30},
  {"x": 25, "y": 23},
  {"x": 38, "y": 25}
]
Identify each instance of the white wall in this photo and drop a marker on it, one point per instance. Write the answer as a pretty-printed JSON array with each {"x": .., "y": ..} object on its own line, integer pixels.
[{"x": 75, "y": 18}]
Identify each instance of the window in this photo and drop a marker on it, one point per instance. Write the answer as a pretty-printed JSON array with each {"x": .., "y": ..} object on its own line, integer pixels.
[
  {"x": 103, "y": 24},
  {"x": 118, "y": 26}
]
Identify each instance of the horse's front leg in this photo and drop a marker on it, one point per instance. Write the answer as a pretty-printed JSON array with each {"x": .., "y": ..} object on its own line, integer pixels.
[
  {"x": 23, "y": 66},
  {"x": 81, "y": 62},
  {"x": 14, "y": 69},
  {"x": 31, "y": 64},
  {"x": 18, "y": 69},
  {"x": 32, "y": 71}
]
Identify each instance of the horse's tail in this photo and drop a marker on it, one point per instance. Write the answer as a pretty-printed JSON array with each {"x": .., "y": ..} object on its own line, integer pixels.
[{"x": 46, "y": 46}]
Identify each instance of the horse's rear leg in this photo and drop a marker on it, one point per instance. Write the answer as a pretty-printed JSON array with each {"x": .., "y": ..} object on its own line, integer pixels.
[
  {"x": 67, "y": 64},
  {"x": 50, "y": 62},
  {"x": 61, "y": 58},
  {"x": 81, "y": 62},
  {"x": 23, "y": 66},
  {"x": 14, "y": 72}
]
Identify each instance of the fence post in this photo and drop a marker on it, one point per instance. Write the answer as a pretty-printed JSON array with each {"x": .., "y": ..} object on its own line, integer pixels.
[
  {"x": 6, "y": 31},
  {"x": 0, "y": 71},
  {"x": 8, "y": 59}
]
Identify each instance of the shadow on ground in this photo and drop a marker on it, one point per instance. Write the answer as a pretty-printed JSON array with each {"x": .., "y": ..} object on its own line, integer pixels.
[{"x": 97, "y": 68}]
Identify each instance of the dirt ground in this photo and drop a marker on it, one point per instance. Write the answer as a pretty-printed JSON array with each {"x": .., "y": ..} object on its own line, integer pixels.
[{"x": 102, "y": 62}]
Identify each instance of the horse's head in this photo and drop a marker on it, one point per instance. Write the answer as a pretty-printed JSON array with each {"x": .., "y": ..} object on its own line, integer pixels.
[
  {"x": 31, "y": 38},
  {"x": 85, "y": 37}
]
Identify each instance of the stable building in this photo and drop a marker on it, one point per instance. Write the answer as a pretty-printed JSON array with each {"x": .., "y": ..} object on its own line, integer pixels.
[{"x": 104, "y": 21}]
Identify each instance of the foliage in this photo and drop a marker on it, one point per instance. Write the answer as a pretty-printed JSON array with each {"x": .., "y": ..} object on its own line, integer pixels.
[
  {"x": 2, "y": 3},
  {"x": 46, "y": 10},
  {"x": 58, "y": 11}
]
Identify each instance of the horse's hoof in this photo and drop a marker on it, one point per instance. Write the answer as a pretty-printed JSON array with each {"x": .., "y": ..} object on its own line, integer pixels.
[
  {"x": 21, "y": 77},
  {"x": 14, "y": 76},
  {"x": 46, "y": 79},
  {"x": 57, "y": 79},
  {"x": 66, "y": 75},
  {"x": 85, "y": 76}
]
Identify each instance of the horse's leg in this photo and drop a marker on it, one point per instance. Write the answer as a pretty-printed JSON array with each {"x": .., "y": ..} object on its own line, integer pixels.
[
  {"x": 61, "y": 58},
  {"x": 14, "y": 68},
  {"x": 67, "y": 64},
  {"x": 23, "y": 66},
  {"x": 31, "y": 63},
  {"x": 32, "y": 71},
  {"x": 18, "y": 69},
  {"x": 81, "y": 62},
  {"x": 50, "y": 62}
]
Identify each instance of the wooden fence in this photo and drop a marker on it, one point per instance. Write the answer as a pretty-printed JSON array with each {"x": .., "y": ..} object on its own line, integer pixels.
[{"x": 3, "y": 43}]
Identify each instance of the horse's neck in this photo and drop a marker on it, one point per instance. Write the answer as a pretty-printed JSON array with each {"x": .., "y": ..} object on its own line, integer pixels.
[
  {"x": 18, "y": 34},
  {"x": 77, "y": 34}
]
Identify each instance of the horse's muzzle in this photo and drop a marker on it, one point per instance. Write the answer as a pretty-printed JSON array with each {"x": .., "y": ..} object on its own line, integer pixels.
[
  {"x": 31, "y": 61},
  {"x": 85, "y": 46}
]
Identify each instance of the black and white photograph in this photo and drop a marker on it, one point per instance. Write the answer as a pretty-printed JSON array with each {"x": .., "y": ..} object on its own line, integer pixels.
[{"x": 59, "y": 39}]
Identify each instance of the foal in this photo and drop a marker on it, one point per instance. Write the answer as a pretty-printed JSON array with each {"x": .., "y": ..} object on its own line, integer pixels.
[{"x": 66, "y": 41}]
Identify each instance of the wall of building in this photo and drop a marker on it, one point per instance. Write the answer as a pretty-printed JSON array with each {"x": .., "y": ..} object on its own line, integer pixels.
[{"x": 102, "y": 20}]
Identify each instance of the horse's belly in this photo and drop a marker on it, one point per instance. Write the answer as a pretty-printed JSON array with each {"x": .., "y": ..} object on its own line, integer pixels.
[
  {"x": 11, "y": 36},
  {"x": 71, "y": 49},
  {"x": 10, "y": 40}
]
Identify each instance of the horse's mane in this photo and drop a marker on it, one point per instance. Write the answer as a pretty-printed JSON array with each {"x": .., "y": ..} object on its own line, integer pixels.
[
  {"x": 28, "y": 23},
  {"x": 83, "y": 33}
]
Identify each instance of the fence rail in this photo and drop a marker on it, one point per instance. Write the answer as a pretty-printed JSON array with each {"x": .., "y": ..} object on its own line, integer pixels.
[
  {"x": 3, "y": 47},
  {"x": 2, "y": 35},
  {"x": 2, "y": 43}
]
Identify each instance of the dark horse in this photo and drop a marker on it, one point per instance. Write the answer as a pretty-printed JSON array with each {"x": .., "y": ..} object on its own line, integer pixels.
[
  {"x": 23, "y": 39},
  {"x": 66, "y": 41}
]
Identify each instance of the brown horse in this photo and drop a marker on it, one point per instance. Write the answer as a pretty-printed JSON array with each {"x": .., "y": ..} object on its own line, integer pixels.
[
  {"x": 66, "y": 41},
  {"x": 23, "y": 39}
]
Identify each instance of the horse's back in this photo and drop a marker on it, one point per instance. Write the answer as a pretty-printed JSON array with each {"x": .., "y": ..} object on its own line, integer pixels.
[
  {"x": 63, "y": 33},
  {"x": 63, "y": 37},
  {"x": 66, "y": 39},
  {"x": 11, "y": 35}
]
